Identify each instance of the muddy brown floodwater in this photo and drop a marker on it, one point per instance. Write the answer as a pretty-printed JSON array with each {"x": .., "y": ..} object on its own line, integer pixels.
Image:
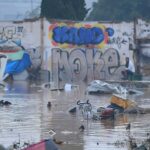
[{"x": 29, "y": 120}]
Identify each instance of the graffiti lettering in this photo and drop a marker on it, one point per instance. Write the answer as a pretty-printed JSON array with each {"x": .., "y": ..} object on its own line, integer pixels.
[
  {"x": 82, "y": 65},
  {"x": 10, "y": 32},
  {"x": 80, "y": 36},
  {"x": 78, "y": 65},
  {"x": 118, "y": 41}
]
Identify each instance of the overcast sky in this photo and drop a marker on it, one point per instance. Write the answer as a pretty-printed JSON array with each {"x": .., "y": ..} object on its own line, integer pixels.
[
  {"x": 89, "y": 3},
  {"x": 17, "y": 9}
]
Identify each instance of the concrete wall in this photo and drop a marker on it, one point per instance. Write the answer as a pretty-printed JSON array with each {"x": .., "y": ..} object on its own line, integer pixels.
[
  {"x": 26, "y": 34},
  {"x": 75, "y": 51},
  {"x": 143, "y": 46},
  {"x": 84, "y": 51}
]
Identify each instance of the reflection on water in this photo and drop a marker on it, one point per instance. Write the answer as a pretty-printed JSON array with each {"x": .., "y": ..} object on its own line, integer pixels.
[{"x": 29, "y": 119}]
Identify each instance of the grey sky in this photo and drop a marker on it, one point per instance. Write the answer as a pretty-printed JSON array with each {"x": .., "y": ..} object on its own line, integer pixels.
[{"x": 89, "y": 3}]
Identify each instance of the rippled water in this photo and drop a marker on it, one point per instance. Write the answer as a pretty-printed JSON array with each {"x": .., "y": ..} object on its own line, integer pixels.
[{"x": 29, "y": 120}]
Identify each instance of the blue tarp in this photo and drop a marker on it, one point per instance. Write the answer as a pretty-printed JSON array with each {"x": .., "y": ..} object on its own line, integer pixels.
[
  {"x": 116, "y": 107},
  {"x": 17, "y": 66}
]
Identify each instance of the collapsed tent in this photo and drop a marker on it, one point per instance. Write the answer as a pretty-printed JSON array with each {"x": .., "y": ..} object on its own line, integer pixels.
[
  {"x": 43, "y": 145},
  {"x": 98, "y": 86}
]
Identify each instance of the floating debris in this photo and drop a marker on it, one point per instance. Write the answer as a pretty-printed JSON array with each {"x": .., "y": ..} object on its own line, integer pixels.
[
  {"x": 5, "y": 103},
  {"x": 73, "y": 110},
  {"x": 81, "y": 128},
  {"x": 49, "y": 105},
  {"x": 128, "y": 126}
]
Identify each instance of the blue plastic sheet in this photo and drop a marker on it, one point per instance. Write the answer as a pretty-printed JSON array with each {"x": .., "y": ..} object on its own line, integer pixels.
[
  {"x": 17, "y": 66},
  {"x": 116, "y": 107},
  {"x": 80, "y": 36}
]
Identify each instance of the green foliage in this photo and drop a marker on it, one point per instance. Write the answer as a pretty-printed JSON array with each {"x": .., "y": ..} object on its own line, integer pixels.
[
  {"x": 63, "y": 9},
  {"x": 120, "y": 10},
  {"x": 2, "y": 148}
]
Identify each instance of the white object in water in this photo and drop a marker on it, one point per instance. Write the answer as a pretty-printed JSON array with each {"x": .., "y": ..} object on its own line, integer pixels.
[
  {"x": 68, "y": 87},
  {"x": 52, "y": 133}
]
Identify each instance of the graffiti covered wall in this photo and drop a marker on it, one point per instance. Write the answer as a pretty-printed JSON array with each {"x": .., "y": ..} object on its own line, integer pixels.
[
  {"x": 77, "y": 51},
  {"x": 88, "y": 50},
  {"x": 15, "y": 36}
]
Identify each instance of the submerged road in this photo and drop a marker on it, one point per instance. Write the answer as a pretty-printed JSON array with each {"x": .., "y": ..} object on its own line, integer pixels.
[{"x": 29, "y": 119}]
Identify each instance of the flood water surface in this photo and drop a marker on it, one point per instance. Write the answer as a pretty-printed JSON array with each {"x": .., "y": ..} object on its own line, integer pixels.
[{"x": 29, "y": 119}]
